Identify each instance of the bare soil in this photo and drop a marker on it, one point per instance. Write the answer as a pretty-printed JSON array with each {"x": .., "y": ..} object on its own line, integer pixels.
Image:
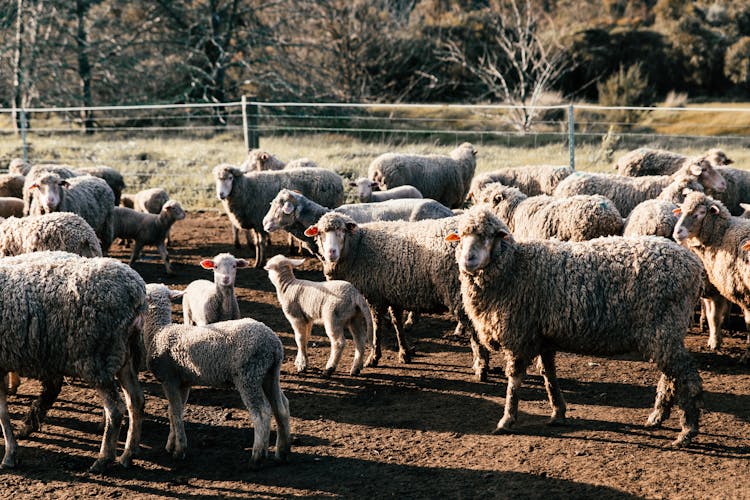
[{"x": 421, "y": 430}]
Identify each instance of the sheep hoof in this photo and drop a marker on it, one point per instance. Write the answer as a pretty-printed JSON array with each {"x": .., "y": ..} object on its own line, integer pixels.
[
  {"x": 654, "y": 420},
  {"x": 328, "y": 372},
  {"x": 684, "y": 438},
  {"x": 481, "y": 374},
  {"x": 100, "y": 465},
  {"x": 404, "y": 357},
  {"x": 125, "y": 461},
  {"x": 355, "y": 371},
  {"x": 179, "y": 454},
  {"x": 372, "y": 362},
  {"x": 9, "y": 462},
  {"x": 282, "y": 458},
  {"x": 555, "y": 421}
]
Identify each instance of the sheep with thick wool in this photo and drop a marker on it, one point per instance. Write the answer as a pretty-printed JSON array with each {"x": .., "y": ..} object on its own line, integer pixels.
[
  {"x": 648, "y": 161},
  {"x": 578, "y": 218},
  {"x": 737, "y": 190},
  {"x": 532, "y": 180},
  {"x": 246, "y": 196},
  {"x": 76, "y": 317},
  {"x": 439, "y": 177},
  {"x": 61, "y": 231},
  {"x": 602, "y": 297}
]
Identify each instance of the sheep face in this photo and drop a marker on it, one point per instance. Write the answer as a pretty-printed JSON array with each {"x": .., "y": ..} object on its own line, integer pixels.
[
  {"x": 225, "y": 268},
  {"x": 331, "y": 239},
  {"x": 718, "y": 157},
  {"x": 224, "y": 176},
  {"x": 365, "y": 188},
  {"x": 282, "y": 211},
  {"x": 692, "y": 213},
  {"x": 174, "y": 210},
  {"x": 479, "y": 233},
  {"x": 473, "y": 252},
  {"x": 50, "y": 191},
  {"x": 708, "y": 175}
]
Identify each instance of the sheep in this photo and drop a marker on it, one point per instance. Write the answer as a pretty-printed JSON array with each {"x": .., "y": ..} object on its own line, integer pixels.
[
  {"x": 721, "y": 241},
  {"x": 87, "y": 196},
  {"x": 443, "y": 178},
  {"x": 647, "y": 161},
  {"x": 532, "y": 180},
  {"x": 396, "y": 265},
  {"x": 36, "y": 172},
  {"x": 11, "y": 207},
  {"x": 18, "y": 166},
  {"x": 578, "y": 218},
  {"x": 627, "y": 192},
  {"x": 76, "y": 317},
  {"x": 150, "y": 201},
  {"x": 112, "y": 177},
  {"x": 56, "y": 231},
  {"x": 147, "y": 229},
  {"x": 605, "y": 296},
  {"x": 242, "y": 353},
  {"x": 294, "y": 212},
  {"x": 365, "y": 192},
  {"x": 208, "y": 302},
  {"x": 11, "y": 185},
  {"x": 246, "y": 196},
  {"x": 737, "y": 190},
  {"x": 258, "y": 160},
  {"x": 335, "y": 304}
]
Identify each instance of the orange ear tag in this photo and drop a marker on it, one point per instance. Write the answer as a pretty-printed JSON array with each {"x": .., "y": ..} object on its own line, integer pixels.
[
  {"x": 452, "y": 237},
  {"x": 311, "y": 231}
]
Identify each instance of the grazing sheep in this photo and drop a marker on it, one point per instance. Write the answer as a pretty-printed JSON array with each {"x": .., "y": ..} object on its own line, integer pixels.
[
  {"x": 532, "y": 180},
  {"x": 11, "y": 207},
  {"x": 246, "y": 196},
  {"x": 737, "y": 190},
  {"x": 334, "y": 304},
  {"x": 76, "y": 317},
  {"x": 721, "y": 241},
  {"x": 293, "y": 212},
  {"x": 147, "y": 229},
  {"x": 207, "y": 302},
  {"x": 646, "y": 161},
  {"x": 18, "y": 166},
  {"x": 365, "y": 192},
  {"x": 578, "y": 218},
  {"x": 443, "y": 178},
  {"x": 258, "y": 160},
  {"x": 112, "y": 177},
  {"x": 606, "y": 296},
  {"x": 396, "y": 265},
  {"x": 11, "y": 185},
  {"x": 62, "y": 231},
  {"x": 627, "y": 192},
  {"x": 244, "y": 354},
  {"x": 87, "y": 196}
]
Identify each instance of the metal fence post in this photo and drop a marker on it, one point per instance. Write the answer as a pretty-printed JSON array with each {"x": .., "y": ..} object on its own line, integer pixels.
[
  {"x": 25, "y": 145},
  {"x": 571, "y": 137},
  {"x": 250, "y": 124}
]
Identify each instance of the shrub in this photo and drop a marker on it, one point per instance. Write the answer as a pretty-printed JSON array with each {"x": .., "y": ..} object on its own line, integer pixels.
[
  {"x": 626, "y": 87},
  {"x": 737, "y": 62}
]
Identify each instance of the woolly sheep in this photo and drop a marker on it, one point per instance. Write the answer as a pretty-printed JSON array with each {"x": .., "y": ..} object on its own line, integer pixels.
[
  {"x": 243, "y": 353},
  {"x": 627, "y": 192},
  {"x": 35, "y": 173},
  {"x": 11, "y": 185},
  {"x": 737, "y": 190},
  {"x": 365, "y": 192},
  {"x": 147, "y": 229},
  {"x": 396, "y": 265},
  {"x": 578, "y": 218},
  {"x": 70, "y": 308},
  {"x": 87, "y": 196},
  {"x": 112, "y": 177},
  {"x": 721, "y": 241},
  {"x": 11, "y": 207},
  {"x": 443, "y": 178},
  {"x": 336, "y": 304},
  {"x": 208, "y": 302},
  {"x": 150, "y": 201},
  {"x": 258, "y": 160},
  {"x": 62, "y": 231},
  {"x": 532, "y": 180},
  {"x": 647, "y": 161},
  {"x": 605, "y": 296},
  {"x": 18, "y": 166},
  {"x": 294, "y": 212},
  {"x": 246, "y": 196}
]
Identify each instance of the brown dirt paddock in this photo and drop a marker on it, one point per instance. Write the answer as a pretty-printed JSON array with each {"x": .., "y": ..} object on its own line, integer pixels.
[{"x": 408, "y": 431}]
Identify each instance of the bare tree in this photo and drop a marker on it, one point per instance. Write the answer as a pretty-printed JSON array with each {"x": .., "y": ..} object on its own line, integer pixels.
[{"x": 521, "y": 59}]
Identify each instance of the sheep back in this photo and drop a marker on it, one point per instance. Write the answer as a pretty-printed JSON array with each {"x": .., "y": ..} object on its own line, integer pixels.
[
  {"x": 651, "y": 218},
  {"x": 11, "y": 185},
  {"x": 532, "y": 180},
  {"x": 61, "y": 231}
]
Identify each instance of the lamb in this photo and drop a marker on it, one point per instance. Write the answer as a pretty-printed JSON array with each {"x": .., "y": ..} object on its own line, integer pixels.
[
  {"x": 258, "y": 160},
  {"x": 207, "y": 302},
  {"x": 627, "y": 192},
  {"x": 335, "y": 304},
  {"x": 87, "y": 196},
  {"x": 646, "y": 161},
  {"x": 606, "y": 296},
  {"x": 366, "y": 194},
  {"x": 443, "y": 178},
  {"x": 396, "y": 265},
  {"x": 721, "y": 241},
  {"x": 246, "y": 196},
  {"x": 11, "y": 185},
  {"x": 70, "y": 308},
  {"x": 147, "y": 229},
  {"x": 18, "y": 166},
  {"x": 112, "y": 177},
  {"x": 578, "y": 218},
  {"x": 294, "y": 212},
  {"x": 11, "y": 207},
  {"x": 56, "y": 231},
  {"x": 532, "y": 180},
  {"x": 243, "y": 353}
]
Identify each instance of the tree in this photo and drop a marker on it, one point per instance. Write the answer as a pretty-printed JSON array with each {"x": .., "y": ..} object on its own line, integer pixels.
[{"x": 737, "y": 62}]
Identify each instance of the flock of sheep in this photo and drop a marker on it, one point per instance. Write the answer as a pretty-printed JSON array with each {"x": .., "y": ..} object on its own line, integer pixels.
[{"x": 545, "y": 259}]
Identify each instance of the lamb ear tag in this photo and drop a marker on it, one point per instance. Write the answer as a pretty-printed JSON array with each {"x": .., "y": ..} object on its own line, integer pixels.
[
  {"x": 207, "y": 264},
  {"x": 311, "y": 231},
  {"x": 677, "y": 211},
  {"x": 746, "y": 246},
  {"x": 452, "y": 237}
]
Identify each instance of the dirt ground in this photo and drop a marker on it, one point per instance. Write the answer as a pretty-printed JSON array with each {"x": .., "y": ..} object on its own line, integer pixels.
[{"x": 421, "y": 430}]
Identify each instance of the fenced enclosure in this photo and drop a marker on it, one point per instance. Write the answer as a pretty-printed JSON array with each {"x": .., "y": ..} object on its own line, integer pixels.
[{"x": 175, "y": 146}]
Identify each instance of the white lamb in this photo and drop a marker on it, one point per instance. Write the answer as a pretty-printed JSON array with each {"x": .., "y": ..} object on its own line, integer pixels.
[{"x": 206, "y": 302}]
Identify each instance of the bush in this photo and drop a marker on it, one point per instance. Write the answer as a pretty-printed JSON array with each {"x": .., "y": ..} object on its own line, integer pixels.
[
  {"x": 626, "y": 87},
  {"x": 737, "y": 62}
]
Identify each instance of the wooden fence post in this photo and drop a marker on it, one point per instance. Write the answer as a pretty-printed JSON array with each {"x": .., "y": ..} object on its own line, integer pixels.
[{"x": 250, "y": 124}]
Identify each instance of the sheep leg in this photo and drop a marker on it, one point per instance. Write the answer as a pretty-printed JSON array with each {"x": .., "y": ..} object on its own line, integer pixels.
[
  {"x": 716, "y": 309},
  {"x": 11, "y": 446},
  {"x": 33, "y": 420},
  {"x": 548, "y": 370},
  {"x": 260, "y": 413},
  {"x": 358, "y": 330},
  {"x": 335, "y": 332},
  {"x": 378, "y": 315},
  {"x": 663, "y": 402},
  {"x": 112, "y": 421},
  {"x": 302, "y": 331},
  {"x": 137, "y": 247},
  {"x": 746, "y": 316},
  {"x": 480, "y": 354},
  {"x": 135, "y": 402},
  {"x": 280, "y": 409},
  {"x": 164, "y": 257},
  {"x": 404, "y": 350},
  {"x": 515, "y": 369},
  {"x": 176, "y": 410},
  {"x": 411, "y": 318},
  {"x": 261, "y": 240},
  {"x": 14, "y": 382}
]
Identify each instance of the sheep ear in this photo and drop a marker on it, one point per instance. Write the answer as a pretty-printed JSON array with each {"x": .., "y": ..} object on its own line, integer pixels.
[
  {"x": 453, "y": 236},
  {"x": 696, "y": 168},
  {"x": 207, "y": 264},
  {"x": 287, "y": 208},
  {"x": 715, "y": 209},
  {"x": 352, "y": 184},
  {"x": 745, "y": 206},
  {"x": 264, "y": 157},
  {"x": 745, "y": 245},
  {"x": 175, "y": 294},
  {"x": 242, "y": 263},
  {"x": 677, "y": 211},
  {"x": 34, "y": 186},
  {"x": 296, "y": 262},
  {"x": 505, "y": 235},
  {"x": 351, "y": 227},
  {"x": 375, "y": 185},
  {"x": 64, "y": 183},
  {"x": 311, "y": 231}
]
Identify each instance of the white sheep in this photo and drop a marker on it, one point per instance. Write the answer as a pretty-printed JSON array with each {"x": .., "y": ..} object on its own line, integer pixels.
[
  {"x": 208, "y": 302},
  {"x": 244, "y": 354},
  {"x": 532, "y": 180},
  {"x": 258, "y": 160},
  {"x": 647, "y": 161},
  {"x": 365, "y": 192},
  {"x": 336, "y": 304}
]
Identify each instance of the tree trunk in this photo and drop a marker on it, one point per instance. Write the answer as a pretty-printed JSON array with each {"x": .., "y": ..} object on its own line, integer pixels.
[
  {"x": 18, "y": 70},
  {"x": 84, "y": 66}
]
